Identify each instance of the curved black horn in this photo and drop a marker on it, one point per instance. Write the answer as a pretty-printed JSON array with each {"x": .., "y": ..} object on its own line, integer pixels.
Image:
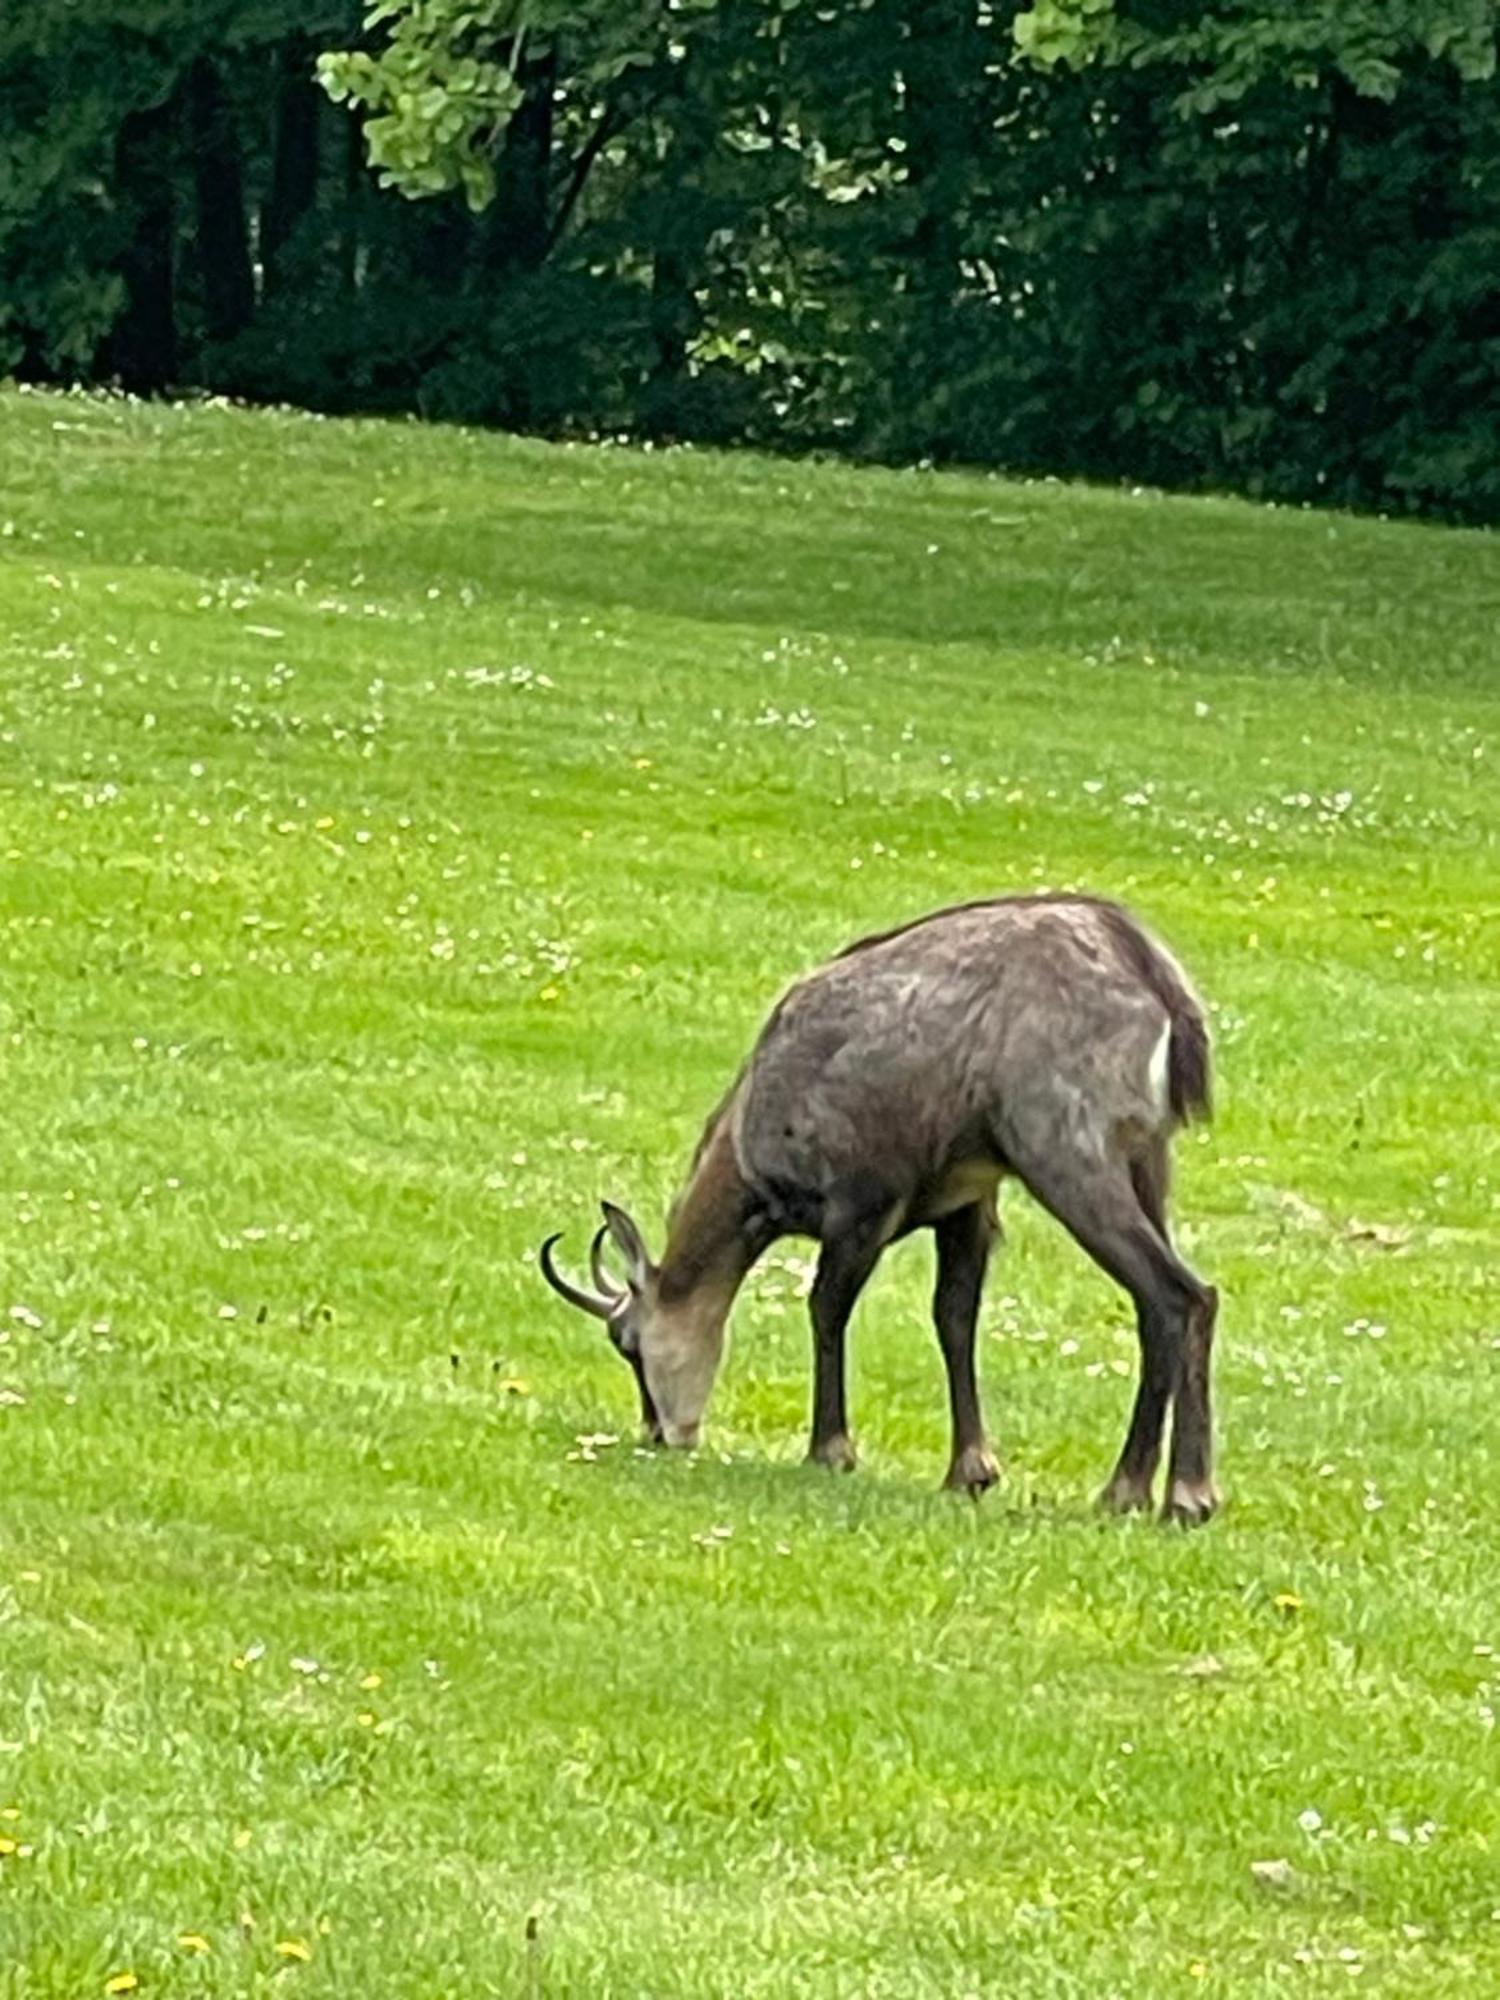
[
  {"x": 589, "y": 1302},
  {"x": 607, "y": 1286}
]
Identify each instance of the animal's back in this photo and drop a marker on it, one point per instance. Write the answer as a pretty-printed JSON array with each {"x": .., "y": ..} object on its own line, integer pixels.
[{"x": 956, "y": 1037}]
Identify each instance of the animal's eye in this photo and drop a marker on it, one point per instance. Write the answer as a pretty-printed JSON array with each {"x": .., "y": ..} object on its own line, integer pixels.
[{"x": 625, "y": 1338}]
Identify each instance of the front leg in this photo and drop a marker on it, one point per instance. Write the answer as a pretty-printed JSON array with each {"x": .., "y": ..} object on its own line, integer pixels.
[
  {"x": 964, "y": 1239},
  {"x": 846, "y": 1262}
]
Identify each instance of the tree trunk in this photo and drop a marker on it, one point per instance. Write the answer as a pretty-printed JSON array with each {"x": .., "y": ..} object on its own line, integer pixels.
[
  {"x": 294, "y": 158},
  {"x": 937, "y": 65},
  {"x": 674, "y": 320},
  {"x": 680, "y": 229},
  {"x": 141, "y": 351},
  {"x": 517, "y": 234},
  {"x": 351, "y": 233},
  {"x": 520, "y": 232},
  {"x": 223, "y": 237}
]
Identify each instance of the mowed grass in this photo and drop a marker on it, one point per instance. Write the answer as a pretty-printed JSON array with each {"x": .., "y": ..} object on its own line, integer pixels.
[{"x": 404, "y": 833}]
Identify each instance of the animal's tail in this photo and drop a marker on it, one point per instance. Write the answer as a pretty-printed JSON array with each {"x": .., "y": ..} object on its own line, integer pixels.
[
  {"x": 1189, "y": 1062},
  {"x": 1190, "y": 1084}
]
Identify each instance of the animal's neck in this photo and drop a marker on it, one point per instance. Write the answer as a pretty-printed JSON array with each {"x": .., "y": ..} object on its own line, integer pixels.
[{"x": 712, "y": 1239}]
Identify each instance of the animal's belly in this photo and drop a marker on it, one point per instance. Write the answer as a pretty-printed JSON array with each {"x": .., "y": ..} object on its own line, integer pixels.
[{"x": 960, "y": 1186}]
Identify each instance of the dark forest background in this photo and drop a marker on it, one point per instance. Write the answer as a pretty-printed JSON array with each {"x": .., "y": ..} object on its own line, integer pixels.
[{"x": 1241, "y": 245}]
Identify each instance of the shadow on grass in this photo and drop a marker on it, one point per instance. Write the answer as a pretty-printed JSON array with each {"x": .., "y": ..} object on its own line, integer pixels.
[{"x": 781, "y": 1484}]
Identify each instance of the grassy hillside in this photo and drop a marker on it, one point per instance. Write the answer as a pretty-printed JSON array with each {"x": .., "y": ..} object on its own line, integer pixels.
[{"x": 404, "y": 832}]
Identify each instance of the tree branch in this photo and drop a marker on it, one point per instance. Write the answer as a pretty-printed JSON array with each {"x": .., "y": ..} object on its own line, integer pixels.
[{"x": 613, "y": 120}]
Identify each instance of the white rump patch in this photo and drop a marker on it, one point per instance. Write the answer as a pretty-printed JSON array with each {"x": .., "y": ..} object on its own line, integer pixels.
[{"x": 1156, "y": 1069}]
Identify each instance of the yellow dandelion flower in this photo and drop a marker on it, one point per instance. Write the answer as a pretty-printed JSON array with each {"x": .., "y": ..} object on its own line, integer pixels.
[
  {"x": 1287, "y": 1602},
  {"x": 294, "y": 1948},
  {"x": 193, "y": 1941},
  {"x": 243, "y": 1838},
  {"x": 121, "y": 1982},
  {"x": 365, "y": 1719},
  {"x": 370, "y": 1681},
  {"x": 550, "y": 993},
  {"x": 7, "y": 1845},
  {"x": 1197, "y": 1970},
  {"x": 323, "y": 823}
]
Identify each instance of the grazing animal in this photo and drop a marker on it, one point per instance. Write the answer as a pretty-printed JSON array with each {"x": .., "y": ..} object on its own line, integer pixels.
[{"x": 1048, "y": 1038}]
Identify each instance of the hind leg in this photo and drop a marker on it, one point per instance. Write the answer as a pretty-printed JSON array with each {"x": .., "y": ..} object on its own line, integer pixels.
[
  {"x": 1191, "y": 1497},
  {"x": 1190, "y": 1491},
  {"x": 1109, "y": 1211},
  {"x": 1129, "y": 1487}
]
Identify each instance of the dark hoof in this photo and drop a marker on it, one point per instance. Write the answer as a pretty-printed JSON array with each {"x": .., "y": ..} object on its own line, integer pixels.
[
  {"x": 837, "y": 1453},
  {"x": 1190, "y": 1503},
  {"x": 973, "y": 1471},
  {"x": 1126, "y": 1494}
]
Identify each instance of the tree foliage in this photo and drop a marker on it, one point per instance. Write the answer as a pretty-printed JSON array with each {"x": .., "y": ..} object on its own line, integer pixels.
[
  {"x": 1221, "y": 53},
  {"x": 1235, "y": 244}
]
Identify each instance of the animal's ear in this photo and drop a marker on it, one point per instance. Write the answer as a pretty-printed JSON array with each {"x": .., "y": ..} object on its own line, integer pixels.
[{"x": 628, "y": 1240}]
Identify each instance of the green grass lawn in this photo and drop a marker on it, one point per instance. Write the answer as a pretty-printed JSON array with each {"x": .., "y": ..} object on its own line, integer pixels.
[{"x": 404, "y": 833}]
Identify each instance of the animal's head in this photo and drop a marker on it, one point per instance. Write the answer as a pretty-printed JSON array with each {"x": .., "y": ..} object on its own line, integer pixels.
[{"x": 671, "y": 1346}]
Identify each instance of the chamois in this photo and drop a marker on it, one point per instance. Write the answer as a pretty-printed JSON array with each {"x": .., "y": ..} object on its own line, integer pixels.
[{"x": 1047, "y": 1038}]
